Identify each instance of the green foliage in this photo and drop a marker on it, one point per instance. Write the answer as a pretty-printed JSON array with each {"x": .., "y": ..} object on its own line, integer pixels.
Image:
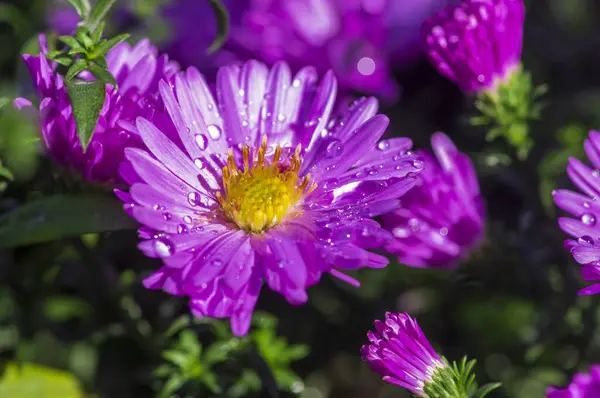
[
  {"x": 33, "y": 381},
  {"x": 60, "y": 216},
  {"x": 222, "y": 16},
  {"x": 456, "y": 380},
  {"x": 86, "y": 51},
  {"x": 189, "y": 362},
  {"x": 508, "y": 109}
]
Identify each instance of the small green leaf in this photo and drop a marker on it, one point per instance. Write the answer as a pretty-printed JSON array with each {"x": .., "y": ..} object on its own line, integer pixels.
[
  {"x": 222, "y": 16},
  {"x": 82, "y": 7},
  {"x": 102, "y": 74},
  {"x": 97, "y": 34},
  {"x": 79, "y": 66},
  {"x": 62, "y": 308},
  {"x": 83, "y": 35},
  {"x": 64, "y": 61},
  {"x": 98, "y": 13},
  {"x": 61, "y": 216},
  {"x": 106, "y": 45},
  {"x": 486, "y": 389},
  {"x": 4, "y": 101},
  {"x": 87, "y": 99},
  {"x": 33, "y": 381},
  {"x": 71, "y": 42}
]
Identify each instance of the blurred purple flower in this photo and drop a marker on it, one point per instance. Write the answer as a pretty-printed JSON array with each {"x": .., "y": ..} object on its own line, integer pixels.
[
  {"x": 62, "y": 19},
  {"x": 585, "y": 207},
  {"x": 476, "y": 43},
  {"x": 261, "y": 185},
  {"x": 400, "y": 352},
  {"x": 137, "y": 70},
  {"x": 349, "y": 37},
  {"x": 441, "y": 218},
  {"x": 583, "y": 385}
]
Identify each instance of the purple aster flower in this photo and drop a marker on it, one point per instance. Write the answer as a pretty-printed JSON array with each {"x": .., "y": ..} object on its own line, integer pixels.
[
  {"x": 62, "y": 18},
  {"x": 476, "y": 43},
  {"x": 261, "y": 185},
  {"x": 348, "y": 37},
  {"x": 585, "y": 207},
  {"x": 137, "y": 70},
  {"x": 400, "y": 352},
  {"x": 583, "y": 385},
  {"x": 441, "y": 218}
]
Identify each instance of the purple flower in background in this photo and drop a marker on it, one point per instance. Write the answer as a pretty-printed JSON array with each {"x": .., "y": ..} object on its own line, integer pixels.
[
  {"x": 583, "y": 385},
  {"x": 476, "y": 43},
  {"x": 441, "y": 218},
  {"x": 62, "y": 19},
  {"x": 347, "y": 36},
  {"x": 261, "y": 185},
  {"x": 585, "y": 207},
  {"x": 400, "y": 352},
  {"x": 137, "y": 70}
]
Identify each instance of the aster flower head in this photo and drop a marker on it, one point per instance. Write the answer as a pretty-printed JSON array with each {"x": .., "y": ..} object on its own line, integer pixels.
[
  {"x": 584, "y": 206},
  {"x": 137, "y": 70},
  {"x": 583, "y": 385},
  {"x": 476, "y": 43},
  {"x": 442, "y": 218},
  {"x": 400, "y": 352},
  {"x": 261, "y": 185},
  {"x": 348, "y": 37}
]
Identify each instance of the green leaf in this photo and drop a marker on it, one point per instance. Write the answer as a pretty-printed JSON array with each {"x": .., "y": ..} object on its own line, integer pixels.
[
  {"x": 102, "y": 74},
  {"x": 82, "y": 7},
  {"x": 87, "y": 99},
  {"x": 79, "y": 66},
  {"x": 98, "y": 13},
  {"x": 64, "y": 61},
  {"x": 71, "y": 42},
  {"x": 61, "y": 216},
  {"x": 4, "y": 101},
  {"x": 62, "y": 308},
  {"x": 97, "y": 34},
  {"x": 105, "y": 45},
  {"x": 222, "y": 16},
  {"x": 486, "y": 389},
  {"x": 83, "y": 35},
  {"x": 33, "y": 381}
]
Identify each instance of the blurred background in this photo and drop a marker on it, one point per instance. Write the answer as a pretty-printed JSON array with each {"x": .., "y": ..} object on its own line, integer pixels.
[{"x": 74, "y": 312}]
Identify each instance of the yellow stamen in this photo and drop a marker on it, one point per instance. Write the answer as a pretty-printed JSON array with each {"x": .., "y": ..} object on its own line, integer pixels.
[{"x": 265, "y": 193}]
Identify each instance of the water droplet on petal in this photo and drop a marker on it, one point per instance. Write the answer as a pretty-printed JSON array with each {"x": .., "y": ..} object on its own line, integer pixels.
[
  {"x": 158, "y": 207},
  {"x": 586, "y": 205},
  {"x": 383, "y": 145},
  {"x": 201, "y": 164},
  {"x": 216, "y": 262},
  {"x": 187, "y": 219},
  {"x": 194, "y": 198},
  {"x": 443, "y": 231},
  {"x": 585, "y": 241},
  {"x": 201, "y": 141},
  {"x": 331, "y": 183},
  {"x": 182, "y": 229},
  {"x": 214, "y": 131},
  {"x": 418, "y": 163},
  {"x": 164, "y": 247},
  {"x": 588, "y": 219},
  {"x": 167, "y": 216},
  {"x": 281, "y": 117},
  {"x": 334, "y": 149}
]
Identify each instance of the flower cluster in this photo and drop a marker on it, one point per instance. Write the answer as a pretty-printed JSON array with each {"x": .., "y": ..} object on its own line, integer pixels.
[
  {"x": 137, "y": 71},
  {"x": 440, "y": 219}
]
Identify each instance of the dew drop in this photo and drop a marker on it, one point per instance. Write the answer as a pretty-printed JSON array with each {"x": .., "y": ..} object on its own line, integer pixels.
[
  {"x": 281, "y": 117},
  {"x": 201, "y": 164},
  {"x": 216, "y": 262},
  {"x": 443, "y": 231},
  {"x": 417, "y": 163},
  {"x": 588, "y": 219},
  {"x": 586, "y": 205},
  {"x": 296, "y": 83},
  {"x": 201, "y": 141},
  {"x": 164, "y": 247},
  {"x": 400, "y": 232},
  {"x": 167, "y": 216},
  {"x": 331, "y": 183},
  {"x": 194, "y": 198},
  {"x": 383, "y": 145},
  {"x": 334, "y": 149},
  {"x": 596, "y": 173},
  {"x": 158, "y": 207},
  {"x": 214, "y": 131},
  {"x": 414, "y": 224},
  {"x": 585, "y": 241},
  {"x": 182, "y": 229},
  {"x": 187, "y": 219}
]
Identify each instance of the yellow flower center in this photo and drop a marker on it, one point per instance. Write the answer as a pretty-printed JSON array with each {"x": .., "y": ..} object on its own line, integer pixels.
[{"x": 264, "y": 193}]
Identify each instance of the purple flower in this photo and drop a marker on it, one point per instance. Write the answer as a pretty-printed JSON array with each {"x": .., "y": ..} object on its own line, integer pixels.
[
  {"x": 477, "y": 43},
  {"x": 62, "y": 19},
  {"x": 137, "y": 70},
  {"x": 585, "y": 207},
  {"x": 400, "y": 352},
  {"x": 441, "y": 218},
  {"x": 261, "y": 185},
  {"x": 582, "y": 385},
  {"x": 348, "y": 37}
]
